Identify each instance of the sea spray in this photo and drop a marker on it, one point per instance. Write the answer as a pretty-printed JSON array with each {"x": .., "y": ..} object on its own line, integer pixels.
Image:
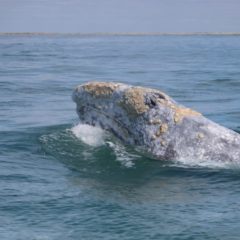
[
  {"x": 93, "y": 136},
  {"x": 96, "y": 137}
]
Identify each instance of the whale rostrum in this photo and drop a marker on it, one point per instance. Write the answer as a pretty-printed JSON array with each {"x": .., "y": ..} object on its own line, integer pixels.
[{"x": 150, "y": 119}]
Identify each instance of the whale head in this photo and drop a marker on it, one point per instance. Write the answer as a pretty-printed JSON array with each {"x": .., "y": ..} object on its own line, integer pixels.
[{"x": 120, "y": 108}]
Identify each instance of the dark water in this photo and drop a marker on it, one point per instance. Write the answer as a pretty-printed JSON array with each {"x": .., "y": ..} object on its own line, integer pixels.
[{"x": 62, "y": 183}]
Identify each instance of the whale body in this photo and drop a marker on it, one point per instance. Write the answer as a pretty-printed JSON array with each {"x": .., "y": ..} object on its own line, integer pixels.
[{"x": 150, "y": 119}]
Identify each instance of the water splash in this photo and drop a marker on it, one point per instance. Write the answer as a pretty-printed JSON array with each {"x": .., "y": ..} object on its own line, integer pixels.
[
  {"x": 206, "y": 163},
  {"x": 93, "y": 136},
  {"x": 122, "y": 155},
  {"x": 96, "y": 137}
]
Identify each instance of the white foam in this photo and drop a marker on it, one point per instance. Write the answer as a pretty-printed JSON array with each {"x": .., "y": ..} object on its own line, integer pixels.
[
  {"x": 187, "y": 162},
  {"x": 124, "y": 157},
  {"x": 93, "y": 136}
]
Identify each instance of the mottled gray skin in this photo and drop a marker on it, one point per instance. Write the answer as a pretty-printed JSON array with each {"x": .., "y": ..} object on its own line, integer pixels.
[{"x": 150, "y": 119}]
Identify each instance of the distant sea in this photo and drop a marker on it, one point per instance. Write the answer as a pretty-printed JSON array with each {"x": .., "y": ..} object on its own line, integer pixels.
[{"x": 62, "y": 180}]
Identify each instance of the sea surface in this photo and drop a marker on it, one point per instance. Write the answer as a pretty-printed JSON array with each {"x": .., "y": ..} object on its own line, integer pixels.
[{"x": 63, "y": 180}]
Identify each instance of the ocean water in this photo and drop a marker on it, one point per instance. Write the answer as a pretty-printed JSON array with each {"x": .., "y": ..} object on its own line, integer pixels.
[{"x": 63, "y": 180}]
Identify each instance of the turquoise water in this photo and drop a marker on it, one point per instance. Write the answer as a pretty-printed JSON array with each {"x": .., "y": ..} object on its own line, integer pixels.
[{"x": 58, "y": 181}]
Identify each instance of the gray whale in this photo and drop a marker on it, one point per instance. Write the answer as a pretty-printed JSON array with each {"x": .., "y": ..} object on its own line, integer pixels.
[{"x": 150, "y": 119}]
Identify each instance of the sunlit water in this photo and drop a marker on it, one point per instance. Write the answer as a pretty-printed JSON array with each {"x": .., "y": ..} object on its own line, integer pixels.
[{"x": 63, "y": 180}]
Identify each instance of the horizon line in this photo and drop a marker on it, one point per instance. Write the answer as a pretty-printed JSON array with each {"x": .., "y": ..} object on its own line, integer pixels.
[{"x": 122, "y": 33}]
